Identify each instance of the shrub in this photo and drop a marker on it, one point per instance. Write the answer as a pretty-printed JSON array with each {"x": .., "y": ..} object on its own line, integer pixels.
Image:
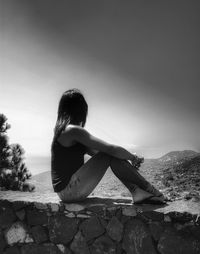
[{"x": 13, "y": 171}]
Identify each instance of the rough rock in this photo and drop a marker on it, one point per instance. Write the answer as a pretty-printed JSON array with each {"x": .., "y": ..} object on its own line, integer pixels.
[
  {"x": 62, "y": 229},
  {"x": 84, "y": 216},
  {"x": 74, "y": 207},
  {"x": 7, "y": 216},
  {"x": 137, "y": 238},
  {"x": 156, "y": 229},
  {"x": 181, "y": 217},
  {"x": 17, "y": 233},
  {"x": 2, "y": 242},
  {"x": 139, "y": 231},
  {"x": 17, "y": 205},
  {"x": 63, "y": 249},
  {"x": 195, "y": 231},
  {"x": 20, "y": 214},
  {"x": 129, "y": 211},
  {"x": 54, "y": 207},
  {"x": 115, "y": 229},
  {"x": 103, "y": 222},
  {"x": 172, "y": 241},
  {"x": 41, "y": 206},
  {"x": 12, "y": 250},
  {"x": 98, "y": 209},
  {"x": 88, "y": 229},
  {"x": 69, "y": 215},
  {"x": 119, "y": 249},
  {"x": 79, "y": 244},
  {"x": 103, "y": 245},
  {"x": 111, "y": 210},
  {"x": 153, "y": 215},
  {"x": 35, "y": 218},
  {"x": 167, "y": 218},
  {"x": 39, "y": 234},
  {"x": 47, "y": 248}
]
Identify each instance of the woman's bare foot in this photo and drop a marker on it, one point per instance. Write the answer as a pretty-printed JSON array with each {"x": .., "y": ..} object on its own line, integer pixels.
[{"x": 139, "y": 195}]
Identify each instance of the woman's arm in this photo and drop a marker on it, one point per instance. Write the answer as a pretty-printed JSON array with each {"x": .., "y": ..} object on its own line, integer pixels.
[
  {"x": 79, "y": 134},
  {"x": 91, "y": 151}
]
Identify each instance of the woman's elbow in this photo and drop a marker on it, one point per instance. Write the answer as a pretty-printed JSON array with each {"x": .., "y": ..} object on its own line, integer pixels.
[{"x": 111, "y": 150}]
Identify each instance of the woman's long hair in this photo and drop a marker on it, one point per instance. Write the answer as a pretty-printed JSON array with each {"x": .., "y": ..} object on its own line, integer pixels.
[{"x": 72, "y": 109}]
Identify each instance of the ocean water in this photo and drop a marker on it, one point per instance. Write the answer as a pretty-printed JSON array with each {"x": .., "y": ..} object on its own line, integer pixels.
[{"x": 38, "y": 164}]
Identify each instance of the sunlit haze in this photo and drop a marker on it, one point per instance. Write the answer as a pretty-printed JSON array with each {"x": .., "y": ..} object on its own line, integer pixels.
[{"x": 136, "y": 62}]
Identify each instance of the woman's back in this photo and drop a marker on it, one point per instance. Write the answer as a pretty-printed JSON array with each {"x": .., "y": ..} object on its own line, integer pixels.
[{"x": 65, "y": 161}]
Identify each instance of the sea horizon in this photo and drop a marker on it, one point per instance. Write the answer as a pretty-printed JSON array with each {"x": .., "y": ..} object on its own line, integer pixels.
[{"x": 37, "y": 164}]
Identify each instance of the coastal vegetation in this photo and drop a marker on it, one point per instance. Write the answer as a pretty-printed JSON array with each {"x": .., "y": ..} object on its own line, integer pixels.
[{"x": 13, "y": 171}]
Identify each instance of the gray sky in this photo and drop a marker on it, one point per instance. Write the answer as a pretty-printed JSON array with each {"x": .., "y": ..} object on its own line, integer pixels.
[{"x": 137, "y": 63}]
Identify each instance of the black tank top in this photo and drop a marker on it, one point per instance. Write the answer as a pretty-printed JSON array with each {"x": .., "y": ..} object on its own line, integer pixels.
[{"x": 65, "y": 161}]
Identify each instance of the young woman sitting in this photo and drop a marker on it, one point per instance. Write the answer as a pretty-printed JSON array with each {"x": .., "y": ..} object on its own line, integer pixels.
[{"x": 74, "y": 180}]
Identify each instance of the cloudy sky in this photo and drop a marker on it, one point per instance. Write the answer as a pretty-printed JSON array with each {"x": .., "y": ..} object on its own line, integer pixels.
[{"x": 136, "y": 62}]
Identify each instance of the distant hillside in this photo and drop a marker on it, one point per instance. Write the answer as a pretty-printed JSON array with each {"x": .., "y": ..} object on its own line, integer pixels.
[
  {"x": 184, "y": 176},
  {"x": 44, "y": 177},
  {"x": 38, "y": 164},
  {"x": 176, "y": 156},
  {"x": 42, "y": 181},
  {"x": 177, "y": 173}
]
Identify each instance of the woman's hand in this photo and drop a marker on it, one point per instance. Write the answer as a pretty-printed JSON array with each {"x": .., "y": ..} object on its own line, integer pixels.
[{"x": 137, "y": 161}]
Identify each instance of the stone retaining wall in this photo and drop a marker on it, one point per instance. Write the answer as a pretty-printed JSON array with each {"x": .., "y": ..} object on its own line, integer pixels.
[{"x": 31, "y": 227}]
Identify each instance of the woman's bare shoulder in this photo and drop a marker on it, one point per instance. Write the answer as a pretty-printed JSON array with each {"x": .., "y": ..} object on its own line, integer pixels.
[
  {"x": 66, "y": 138},
  {"x": 72, "y": 129}
]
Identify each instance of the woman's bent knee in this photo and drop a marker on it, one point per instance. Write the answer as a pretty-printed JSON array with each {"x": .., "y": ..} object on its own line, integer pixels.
[
  {"x": 114, "y": 162},
  {"x": 102, "y": 156}
]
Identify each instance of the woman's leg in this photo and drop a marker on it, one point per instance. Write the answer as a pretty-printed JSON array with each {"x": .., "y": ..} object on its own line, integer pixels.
[
  {"x": 89, "y": 175},
  {"x": 84, "y": 181},
  {"x": 139, "y": 187},
  {"x": 126, "y": 172},
  {"x": 137, "y": 193}
]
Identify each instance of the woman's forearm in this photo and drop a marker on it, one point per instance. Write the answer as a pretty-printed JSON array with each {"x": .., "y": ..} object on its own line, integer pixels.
[
  {"x": 83, "y": 136},
  {"x": 121, "y": 153}
]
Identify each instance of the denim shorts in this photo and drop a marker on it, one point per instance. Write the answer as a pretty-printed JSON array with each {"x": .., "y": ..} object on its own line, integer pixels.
[{"x": 72, "y": 191}]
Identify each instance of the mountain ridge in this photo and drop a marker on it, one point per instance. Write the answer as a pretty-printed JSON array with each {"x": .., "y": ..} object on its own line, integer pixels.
[{"x": 178, "y": 155}]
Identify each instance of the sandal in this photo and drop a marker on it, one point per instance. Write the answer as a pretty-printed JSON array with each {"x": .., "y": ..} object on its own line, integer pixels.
[{"x": 159, "y": 200}]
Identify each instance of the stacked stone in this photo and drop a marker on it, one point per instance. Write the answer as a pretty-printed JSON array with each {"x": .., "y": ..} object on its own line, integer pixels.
[{"x": 32, "y": 228}]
